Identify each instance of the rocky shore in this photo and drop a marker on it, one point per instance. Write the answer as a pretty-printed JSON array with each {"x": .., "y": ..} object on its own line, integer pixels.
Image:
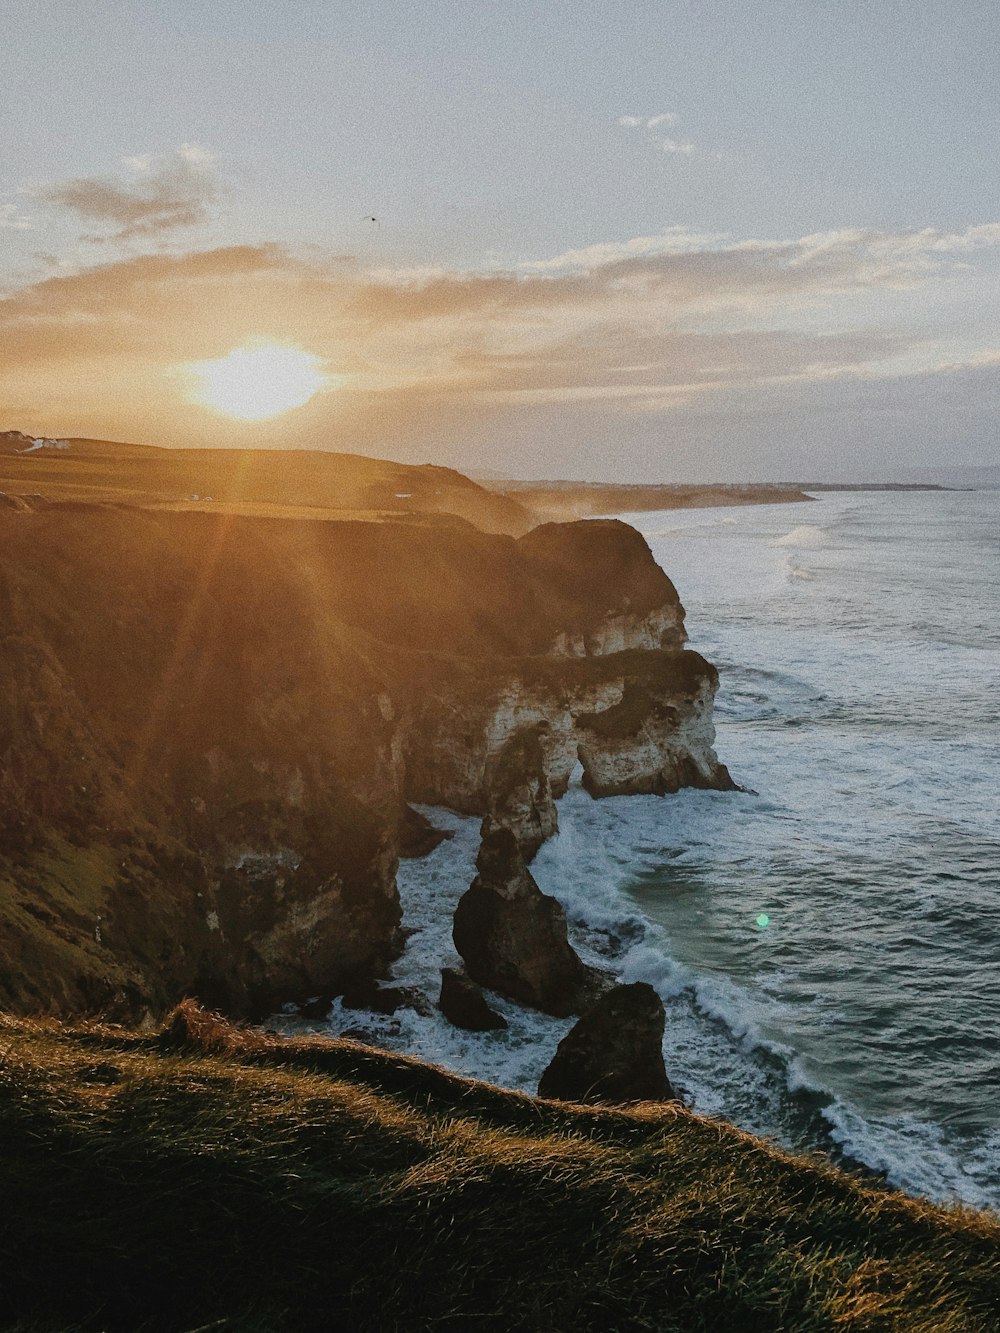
[{"x": 212, "y": 728}]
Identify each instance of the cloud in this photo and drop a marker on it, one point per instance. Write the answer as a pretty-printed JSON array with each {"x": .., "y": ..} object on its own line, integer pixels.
[
  {"x": 663, "y": 120},
  {"x": 654, "y": 326},
  {"x": 172, "y": 190},
  {"x": 673, "y": 240},
  {"x": 13, "y": 219},
  {"x": 649, "y": 122}
]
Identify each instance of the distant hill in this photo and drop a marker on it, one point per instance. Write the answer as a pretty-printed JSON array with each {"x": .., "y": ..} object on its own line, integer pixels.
[
  {"x": 305, "y": 483},
  {"x": 986, "y": 477},
  {"x": 584, "y": 499}
]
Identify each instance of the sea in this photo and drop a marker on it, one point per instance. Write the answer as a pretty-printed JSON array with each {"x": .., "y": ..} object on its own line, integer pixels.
[{"x": 827, "y": 941}]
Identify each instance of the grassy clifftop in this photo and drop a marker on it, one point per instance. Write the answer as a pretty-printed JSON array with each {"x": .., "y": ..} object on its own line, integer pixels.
[
  {"x": 277, "y": 483},
  {"x": 203, "y": 1177}
]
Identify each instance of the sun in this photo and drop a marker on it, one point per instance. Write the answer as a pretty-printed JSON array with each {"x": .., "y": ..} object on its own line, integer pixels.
[{"x": 258, "y": 381}]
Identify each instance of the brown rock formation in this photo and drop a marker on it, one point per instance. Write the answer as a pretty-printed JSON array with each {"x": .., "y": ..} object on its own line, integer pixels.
[
  {"x": 638, "y": 722},
  {"x": 518, "y": 790},
  {"x": 209, "y": 727},
  {"x": 513, "y": 937},
  {"x": 614, "y": 1053},
  {"x": 464, "y": 1005},
  {"x": 617, "y": 596}
]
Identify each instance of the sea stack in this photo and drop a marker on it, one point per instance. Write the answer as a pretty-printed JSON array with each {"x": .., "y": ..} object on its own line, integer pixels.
[
  {"x": 513, "y": 937},
  {"x": 614, "y": 1053}
]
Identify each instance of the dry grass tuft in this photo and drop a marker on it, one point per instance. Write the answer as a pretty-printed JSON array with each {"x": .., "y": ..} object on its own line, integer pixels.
[{"x": 211, "y": 1176}]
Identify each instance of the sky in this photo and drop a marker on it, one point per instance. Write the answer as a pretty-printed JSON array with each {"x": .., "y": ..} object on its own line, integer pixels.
[{"x": 651, "y": 240}]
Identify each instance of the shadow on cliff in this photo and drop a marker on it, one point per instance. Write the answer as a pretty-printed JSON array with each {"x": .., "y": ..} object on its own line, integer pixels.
[{"x": 210, "y": 727}]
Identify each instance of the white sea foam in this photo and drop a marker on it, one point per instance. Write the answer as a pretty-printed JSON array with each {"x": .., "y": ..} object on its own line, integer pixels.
[
  {"x": 863, "y": 707},
  {"x": 916, "y": 1156},
  {"x": 806, "y": 535}
]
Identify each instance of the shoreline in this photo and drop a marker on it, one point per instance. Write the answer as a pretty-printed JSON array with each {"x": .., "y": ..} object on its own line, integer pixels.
[{"x": 566, "y": 500}]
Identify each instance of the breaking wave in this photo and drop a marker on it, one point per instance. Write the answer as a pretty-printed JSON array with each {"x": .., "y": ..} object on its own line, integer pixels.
[{"x": 864, "y": 707}]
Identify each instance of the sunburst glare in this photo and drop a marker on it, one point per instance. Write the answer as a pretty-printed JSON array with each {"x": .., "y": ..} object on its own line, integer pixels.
[{"x": 258, "y": 381}]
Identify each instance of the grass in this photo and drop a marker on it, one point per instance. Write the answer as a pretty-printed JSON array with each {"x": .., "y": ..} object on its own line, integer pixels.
[
  {"x": 281, "y": 482},
  {"x": 207, "y": 1177}
]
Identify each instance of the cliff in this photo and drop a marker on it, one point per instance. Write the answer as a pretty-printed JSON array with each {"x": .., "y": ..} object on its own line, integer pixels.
[{"x": 210, "y": 725}]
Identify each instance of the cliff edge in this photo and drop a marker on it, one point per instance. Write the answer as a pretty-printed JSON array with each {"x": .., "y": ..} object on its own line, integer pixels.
[{"x": 211, "y": 725}]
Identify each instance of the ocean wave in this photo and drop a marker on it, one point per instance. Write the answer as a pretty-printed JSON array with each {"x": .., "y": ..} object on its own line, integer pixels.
[
  {"x": 873, "y": 850},
  {"x": 920, "y": 1157},
  {"x": 807, "y": 535}
]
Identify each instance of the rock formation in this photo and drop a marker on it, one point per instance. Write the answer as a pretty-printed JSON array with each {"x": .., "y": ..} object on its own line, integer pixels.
[
  {"x": 614, "y": 1053},
  {"x": 617, "y": 596},
  {"x": 211, "y": 725},
  {"x": 513, "y": 937},
  {"x": 639, "y": 721},
  {"x": 518, "y": 789},
  {"x": 463, "y": 1003}
]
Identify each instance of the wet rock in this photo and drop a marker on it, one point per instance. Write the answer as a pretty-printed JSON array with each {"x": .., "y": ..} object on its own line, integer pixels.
[
  {"x": 614, "y": 1053},
  {"x": 360, "y": 1035},
  {"x": 513, "y": 937},
  {"x": 317, "y": 1007},
  {"x": 385, "y": 999},
  {"x": 463, "y": 1003},
  {"x": 417, "y": 835}
]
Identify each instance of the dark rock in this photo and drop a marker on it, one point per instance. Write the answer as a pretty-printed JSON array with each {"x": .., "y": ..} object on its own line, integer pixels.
[
  {"x": 513, "y": 937},
  {"x": 617, "y": 596},
  {"x": 417, "y": 835},
  {"x": 360, "y": 1035},
  {"x": 385, "y": 999},
  {"x": 316, "y": 1008},
  {"x": 463, "y": 1004},
  {"x": 614, "y": 1053}
]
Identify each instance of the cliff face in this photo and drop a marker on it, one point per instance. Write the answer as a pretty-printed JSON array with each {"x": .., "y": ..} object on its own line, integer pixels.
[
  {"x": 209, "y": 726},
  {"x": 504, "y": 740}
]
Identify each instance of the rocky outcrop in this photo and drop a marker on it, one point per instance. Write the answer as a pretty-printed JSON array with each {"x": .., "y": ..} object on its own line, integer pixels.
[
  {"x": 651, "y": 741},
  {"x": 614, "y": 1053},
  {"x": 417, "y": 835},
  {"x": 637, "y": 722},
  {"x": 463, "y": 1003},
  {"x": 513, "y": 937},
  {"x": 365, "y": 993},
  {"x": 616, "y": 596},
  {"x": 518, "y": 790},
  {"x": 211, "y": 728}
]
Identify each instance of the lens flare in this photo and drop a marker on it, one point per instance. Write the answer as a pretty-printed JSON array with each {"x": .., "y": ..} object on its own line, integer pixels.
[
  {"x": 763, "y": 921},
  {"x": 258, "y": 381}
]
